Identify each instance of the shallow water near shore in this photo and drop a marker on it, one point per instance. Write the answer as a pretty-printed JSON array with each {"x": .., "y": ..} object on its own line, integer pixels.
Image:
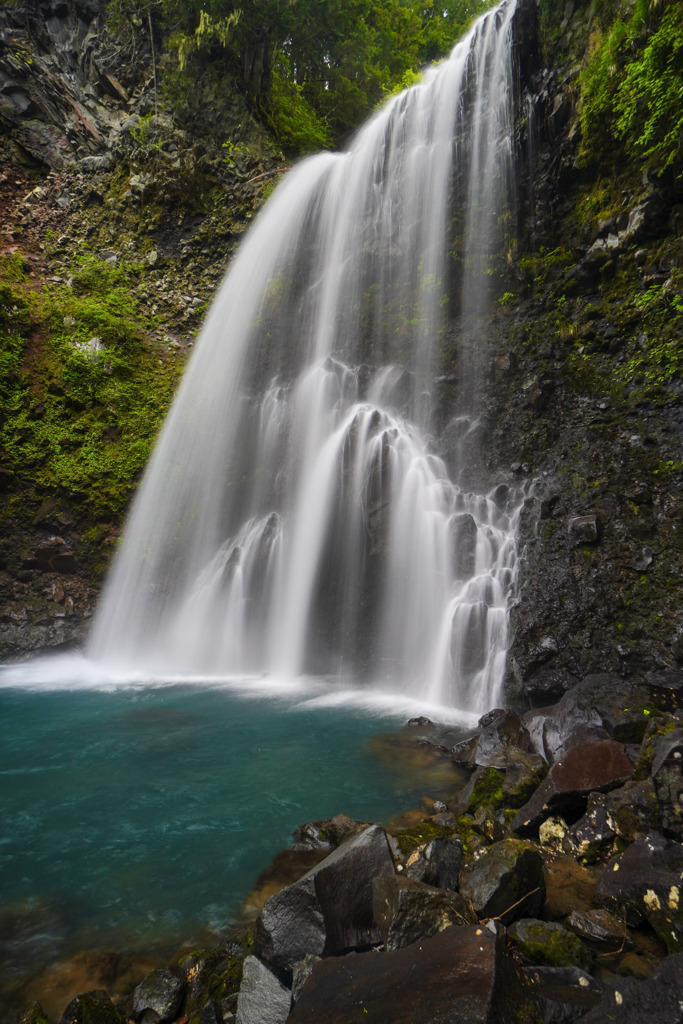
[{"x": 137, "y": 813}]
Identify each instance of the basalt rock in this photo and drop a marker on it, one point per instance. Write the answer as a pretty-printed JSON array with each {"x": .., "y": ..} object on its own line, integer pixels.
[
  {"x": 158, "y": 997},
  {"x": 667, "y": 776},
  {"x": 568, "y": 886},
  {"x": 600, "y": 707},
  {"x": 462, "y": 974},
  {"x": 593, "y": 766},
  {"x": 644, "y": 884},
  {"x": 631, "y": 810},
  {"x": 506, "y": 882},
  {"x": 600, "y": 930},
  {"x": 407, "y": 911},
  {"x": 591, "y": 838},
  {"x": 564, "y": 994},
  {"x": 439, "y": 863},
  {"x": 631, "y": 1002},
  {"x": 262, "y": 999},
  {"x": 330, "y": 908},
  {"x": 93, "y": 1008}
]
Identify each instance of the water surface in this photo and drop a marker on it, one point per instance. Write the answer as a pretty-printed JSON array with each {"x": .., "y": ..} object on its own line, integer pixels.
[{"x": 139, "y": 816}]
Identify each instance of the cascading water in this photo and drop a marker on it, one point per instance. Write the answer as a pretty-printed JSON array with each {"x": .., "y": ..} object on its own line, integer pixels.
[{"x": 295, "y": 517}]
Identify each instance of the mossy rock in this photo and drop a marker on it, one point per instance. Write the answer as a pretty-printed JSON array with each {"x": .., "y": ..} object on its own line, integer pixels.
[
  {"x": 546, "y": 942},
  {"x": 658, "y": 726},
  {"x": 409, "y": 839},
  {"x": 212, "y": 974},
  {"x": 91, "y": 1008},
  {"x": 34, "y": 1015},
  {"x": 485, "y": 789}
]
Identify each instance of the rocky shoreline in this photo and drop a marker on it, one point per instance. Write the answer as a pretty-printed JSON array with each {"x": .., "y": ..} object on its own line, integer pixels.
[{"x": 545, "y": 889}]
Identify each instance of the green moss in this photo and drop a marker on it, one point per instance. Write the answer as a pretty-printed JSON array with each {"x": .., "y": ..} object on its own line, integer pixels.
[
  {"x": 34, "y": 1015},
  {"x": 545, "y": 942},
  {"x": 659, "y": 724},
  {"x": 83, "y": 407},
  {"x": 409, "y": 839},
  {"x": 487, "y": 791}
]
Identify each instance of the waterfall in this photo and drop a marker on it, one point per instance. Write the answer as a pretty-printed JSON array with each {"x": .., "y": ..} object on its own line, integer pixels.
[{"x": 296, "y": 516}]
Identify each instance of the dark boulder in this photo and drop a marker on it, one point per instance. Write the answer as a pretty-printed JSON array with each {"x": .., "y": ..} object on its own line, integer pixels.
[
  {"x": 631, "y": 810},
  {"x": 591, "y": 838},
  {"x": 600, "y": 930},
  {"x": 644, "y": 884},
  {"x": 92, "y": 1008},
  {"x": 666, "y": 688},
  {"x": 158, "y": 997},
  {"x": 495, "y": 738},
  {"x": 262, "y": 999},
  {"x": 667, "y": 776},
  {"x": 328, "y": 910},
  {"x": 506, "y": 882},
  {"x": 599, "y": 707},
  {"x": 568, "y": 886},
  {"x": 658, "y": 1000},
  {"x": 563, "y": 994},
  {"x": 594, "y": 766},
  {"x": 462, "y": 974},
  {"x": 301, "y": 974},
  {"x": 524, "y": 772},
  {"x": 439, "y": 863},
  {"x": 407, "y": 911}
]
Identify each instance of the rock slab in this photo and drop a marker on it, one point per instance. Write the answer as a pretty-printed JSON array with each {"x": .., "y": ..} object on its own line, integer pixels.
[
  {"x": 456, "y": 976},
  {"x": 591, "y": 767},
  {"x": 329, "y": 910},
  {"x": 263, "y": 999}
]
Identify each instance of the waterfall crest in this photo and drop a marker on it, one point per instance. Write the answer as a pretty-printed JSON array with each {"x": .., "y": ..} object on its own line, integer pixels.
[{"x": 295, "y": 516}]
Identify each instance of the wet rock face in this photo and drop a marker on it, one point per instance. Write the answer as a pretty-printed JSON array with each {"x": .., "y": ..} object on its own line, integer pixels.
[
  {"x": 456, "y": 975},
  {"x": 50, "y": 117}
]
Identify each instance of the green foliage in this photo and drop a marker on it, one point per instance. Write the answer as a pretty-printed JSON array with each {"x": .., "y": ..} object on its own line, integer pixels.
[
  {"x": 83, "y": 402},
  {"x": 209, "y": 31},
  {"x": 633, "y": 87},
  {"x": 297, "y": 127},
  {"x": 313, "y": 70}
]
